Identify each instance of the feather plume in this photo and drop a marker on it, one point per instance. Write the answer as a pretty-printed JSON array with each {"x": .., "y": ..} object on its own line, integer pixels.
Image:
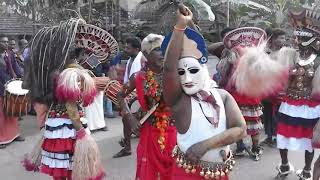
[
  {"x": 75, "y": 84},
  {"x": 258, "y": 75}
]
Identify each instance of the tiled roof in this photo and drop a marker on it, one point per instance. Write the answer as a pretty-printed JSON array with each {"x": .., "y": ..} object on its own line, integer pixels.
[{"x": 13, "y": 24}]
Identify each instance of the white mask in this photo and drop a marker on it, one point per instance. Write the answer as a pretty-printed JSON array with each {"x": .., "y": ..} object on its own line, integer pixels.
[{"x": 192, "y": 75}]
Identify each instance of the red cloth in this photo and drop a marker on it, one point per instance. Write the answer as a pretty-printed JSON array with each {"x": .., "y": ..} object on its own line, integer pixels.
[
  {"x": 140, "y": 78},
  {"x": 294, "y": 131},
  {"x": 243, "y": 100},
  {"x": 56, "y": 173},
  {"x": 59, "y": 145},
  {"x": 252, "y": 119},
  {"x": 180, "y": 174},
  {"x": 300, "y": 102},
  {"x": 150, "y": 159},
  {"x": 9, "y": 129}
]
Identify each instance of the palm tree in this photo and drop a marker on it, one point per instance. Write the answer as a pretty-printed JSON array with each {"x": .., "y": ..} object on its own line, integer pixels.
[{"x": 158, "y": 15}]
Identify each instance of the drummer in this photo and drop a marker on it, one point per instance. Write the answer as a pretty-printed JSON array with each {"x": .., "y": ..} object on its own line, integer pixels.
[
  {"x": 9, "y": 69},
  {"x": 134, "y": 64}
]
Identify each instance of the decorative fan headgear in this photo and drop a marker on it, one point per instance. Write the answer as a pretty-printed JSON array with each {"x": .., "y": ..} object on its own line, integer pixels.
[
  {"x": 244, "y": 37},
  {"x": 307, "y": 26},
  {"x": 193, "y": 46},
  {"x": 52, "y": 49},
  {"x": 97, "y": 41}
]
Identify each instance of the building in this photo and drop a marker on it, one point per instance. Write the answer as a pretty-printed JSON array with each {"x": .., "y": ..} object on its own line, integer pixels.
[{"x": 13, "y": 24}]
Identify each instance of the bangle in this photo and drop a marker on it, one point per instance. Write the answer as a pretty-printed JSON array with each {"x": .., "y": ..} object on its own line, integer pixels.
[{"x": 179, "y": 29}]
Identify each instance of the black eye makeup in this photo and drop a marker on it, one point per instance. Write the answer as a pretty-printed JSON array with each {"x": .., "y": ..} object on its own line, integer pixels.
[
  {"x": 193, "y": 70},
  {"x": 181, "y": 72}
]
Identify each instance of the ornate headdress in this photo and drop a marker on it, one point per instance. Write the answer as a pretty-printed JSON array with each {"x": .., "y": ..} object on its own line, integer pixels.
[
  {"x": 52, "y": 49},
  {"x": 193, "y": 46},
  {"x": 96, "y": 42},
  {"x": 244, "y": 37},
  {"x": 307, "y": 25}
]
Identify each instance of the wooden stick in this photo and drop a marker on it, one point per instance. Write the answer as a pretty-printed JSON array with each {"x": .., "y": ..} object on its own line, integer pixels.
[{"x": 145, "y": 117}]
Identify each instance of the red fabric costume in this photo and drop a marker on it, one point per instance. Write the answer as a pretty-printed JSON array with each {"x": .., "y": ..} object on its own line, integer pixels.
[{"x": 152, "y": 162}]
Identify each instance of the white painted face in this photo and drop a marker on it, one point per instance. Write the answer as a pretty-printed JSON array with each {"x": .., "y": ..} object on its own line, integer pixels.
[{"x": 192, "y": 75}]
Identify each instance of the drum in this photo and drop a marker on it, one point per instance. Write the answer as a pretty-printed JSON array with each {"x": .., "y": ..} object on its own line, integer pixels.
[
  {"x": 113, "y": 88},
  {"x": 16, "y": 101}
]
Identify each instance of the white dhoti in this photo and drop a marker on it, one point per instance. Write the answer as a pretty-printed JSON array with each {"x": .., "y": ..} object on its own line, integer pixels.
[{"x": 94, "y": 113}]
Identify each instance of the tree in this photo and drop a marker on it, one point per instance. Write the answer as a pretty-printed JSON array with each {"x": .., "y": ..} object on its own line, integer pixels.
[
  {"x": 261, "y": 13},
  {"x": 158, "y": 15},
  {"x": 48, "y": 12}
]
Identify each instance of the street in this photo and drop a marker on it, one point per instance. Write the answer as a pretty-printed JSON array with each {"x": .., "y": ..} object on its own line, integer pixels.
[{"x": 124, "y": 168}]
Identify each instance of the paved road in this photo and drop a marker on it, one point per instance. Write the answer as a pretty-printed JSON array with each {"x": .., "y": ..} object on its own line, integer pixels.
[{"x": 124, "y": 168}]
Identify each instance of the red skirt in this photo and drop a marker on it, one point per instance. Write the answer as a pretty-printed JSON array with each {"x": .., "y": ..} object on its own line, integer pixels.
[
  {"x": 151, "y": 162},
  {"x": 9, "y": 128},
  {"x": 58, "y": 148}
]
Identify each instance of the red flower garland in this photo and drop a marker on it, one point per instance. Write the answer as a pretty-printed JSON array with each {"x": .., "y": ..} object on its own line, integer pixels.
[{"x": 161, "y": 114}]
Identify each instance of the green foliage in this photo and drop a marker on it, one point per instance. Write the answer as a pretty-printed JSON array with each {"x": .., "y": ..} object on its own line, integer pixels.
[
  {"x": 56, "y": 11},
  {"x": 244, "y": 15}
]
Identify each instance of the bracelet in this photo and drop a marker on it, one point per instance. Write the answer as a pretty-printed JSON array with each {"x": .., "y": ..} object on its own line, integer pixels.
[{"x": 179, "y": 29}]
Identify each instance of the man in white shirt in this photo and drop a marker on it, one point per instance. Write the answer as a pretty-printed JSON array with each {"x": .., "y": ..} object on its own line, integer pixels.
[{"x": 134, "y": 64}]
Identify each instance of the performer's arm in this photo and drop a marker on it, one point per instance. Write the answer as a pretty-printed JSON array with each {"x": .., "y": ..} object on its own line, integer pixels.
[
  {"x": 125, "y": 91},
  {"x": 216, "y": 49},
  {"x": 236, "y": 130},
  {"x": 125, "y": 110},
  {"x": 236, "y": 126},
  {"x": 172, "y": 90},
  {"x": 193, "y": 26},
  {"x": 101, "y": 83},
  {"x": 72, "y": 110}
]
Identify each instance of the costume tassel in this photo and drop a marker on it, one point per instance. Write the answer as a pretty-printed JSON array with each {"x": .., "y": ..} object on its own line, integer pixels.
[
  {"x": 32, "y": 161},
  {"x": 86, "y": 163}
]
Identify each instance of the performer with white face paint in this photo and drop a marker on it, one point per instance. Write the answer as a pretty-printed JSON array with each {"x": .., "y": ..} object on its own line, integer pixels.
[
  {"x": 207, "y": 119},
  {"x": 192, "y": 75}
]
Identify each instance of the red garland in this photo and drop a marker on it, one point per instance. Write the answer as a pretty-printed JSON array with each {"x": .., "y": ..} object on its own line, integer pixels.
[{"x": 161, "y": 114}]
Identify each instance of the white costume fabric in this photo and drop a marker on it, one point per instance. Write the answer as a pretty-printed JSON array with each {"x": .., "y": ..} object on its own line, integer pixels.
[
  {"x": 135, "y": 67},
  {"x": 201, "y": 129},
  {"x": 94, "y": 113}
]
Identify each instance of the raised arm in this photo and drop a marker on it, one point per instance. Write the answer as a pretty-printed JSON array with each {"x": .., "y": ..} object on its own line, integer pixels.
[{"x": 172, "y": 90}]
